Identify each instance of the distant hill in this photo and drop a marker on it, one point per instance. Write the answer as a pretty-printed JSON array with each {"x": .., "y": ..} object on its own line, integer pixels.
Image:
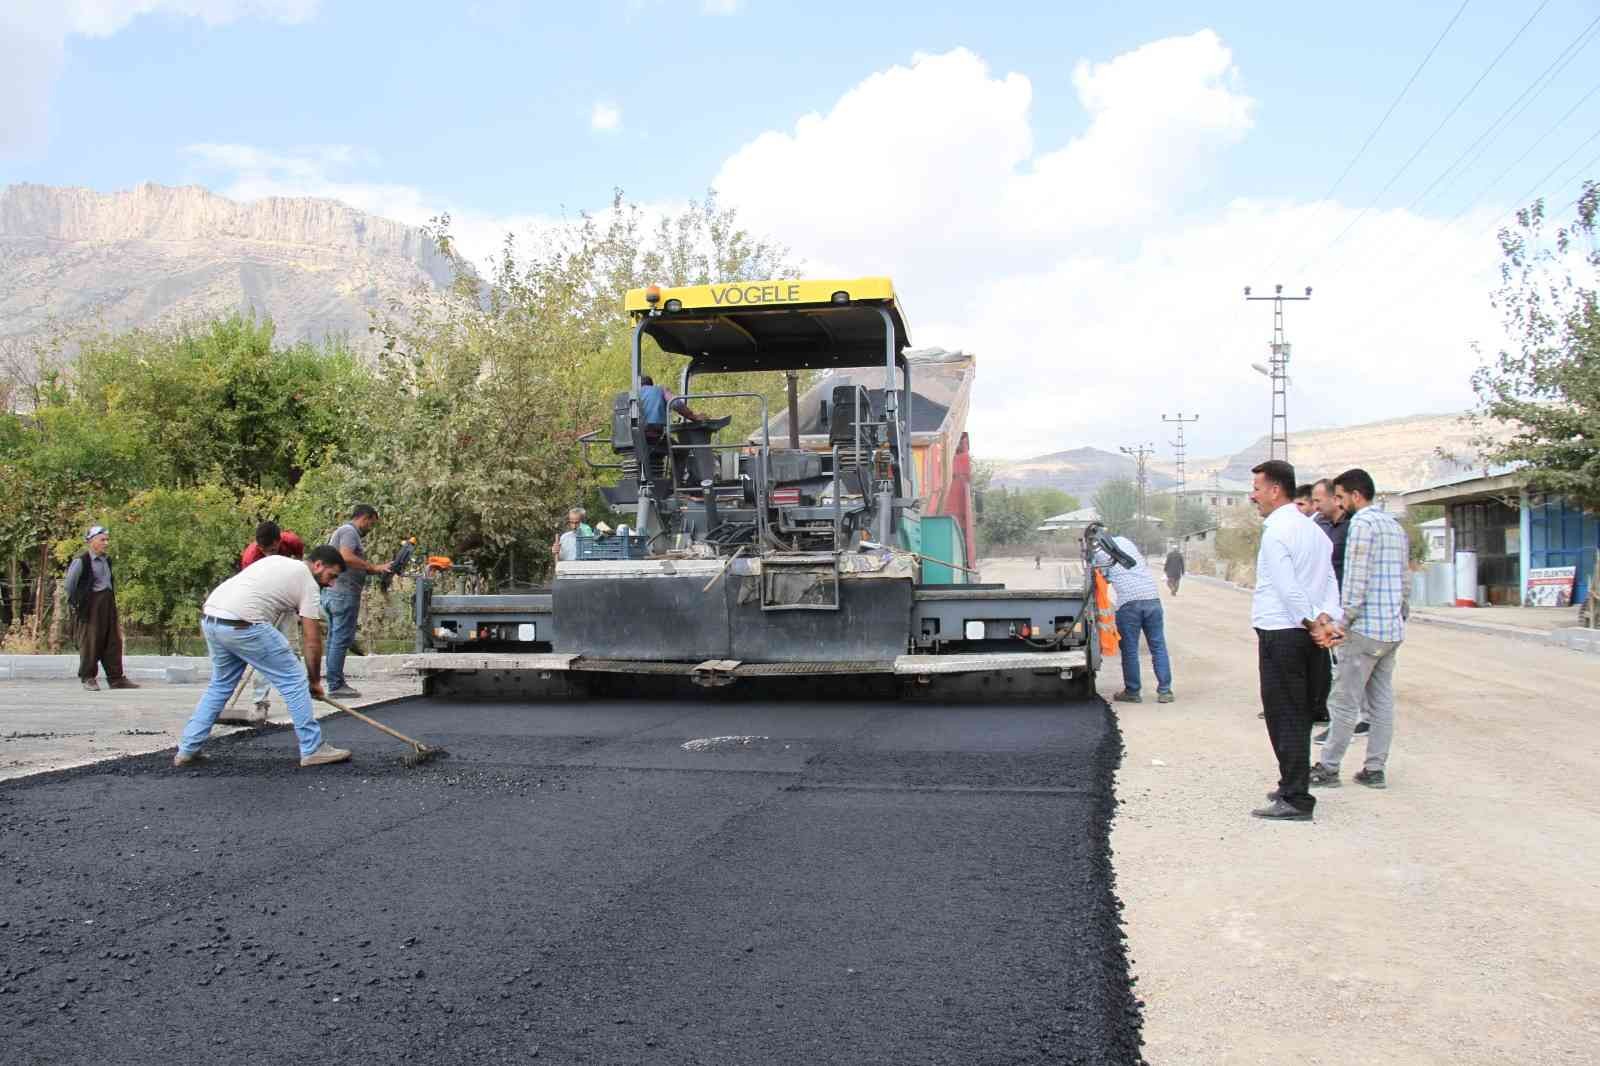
[
  {"x": 135, "y": 258},
  {"x": 1079, "y": 471},
  {"x": 1399, "y": 453}
]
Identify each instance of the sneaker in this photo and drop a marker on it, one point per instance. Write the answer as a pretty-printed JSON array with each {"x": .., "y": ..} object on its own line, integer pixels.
[
  {"x": 1323, "y": 777},
  {"x": 190, "y": 758},
  {"x": 344, "y": 692},
  {"x": 1322, "y": 737},
  {"x": 324, "y": 755},
  {"x": 91, "y": 684},
  {"x": 1363, "y": 728},
  {"x": 1128, "y": 697},
  {"x": 1370, "y": 778},
  {"x": 1164, "y": 697}
]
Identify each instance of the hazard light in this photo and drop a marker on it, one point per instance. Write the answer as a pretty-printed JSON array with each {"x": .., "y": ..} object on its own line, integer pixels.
[{"x": 785, "y": 497}]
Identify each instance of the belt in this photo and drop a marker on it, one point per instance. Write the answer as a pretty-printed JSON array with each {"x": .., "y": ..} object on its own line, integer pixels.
[{"x": 231, "y": 623}]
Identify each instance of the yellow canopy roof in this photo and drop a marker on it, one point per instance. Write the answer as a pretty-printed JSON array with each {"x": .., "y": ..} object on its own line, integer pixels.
[{"x": 774, "y": 325}]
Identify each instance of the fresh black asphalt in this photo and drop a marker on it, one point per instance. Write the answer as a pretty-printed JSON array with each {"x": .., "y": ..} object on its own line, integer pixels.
[{"x": 852, "y": 883}]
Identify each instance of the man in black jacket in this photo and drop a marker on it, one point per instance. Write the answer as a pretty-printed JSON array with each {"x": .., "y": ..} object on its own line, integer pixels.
[{"x": 91, "y": 592}]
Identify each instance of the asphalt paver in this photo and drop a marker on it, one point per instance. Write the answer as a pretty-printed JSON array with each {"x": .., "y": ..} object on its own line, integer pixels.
[{"x": 583, "y": 882}]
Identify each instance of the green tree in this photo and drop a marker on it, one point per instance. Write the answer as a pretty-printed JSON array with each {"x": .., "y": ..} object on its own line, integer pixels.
[
  {"x": 1045, "y": 502},
  {"x": 1548, "y": 384},
  {"x": 173, "y": 546},
  {"x": 1411, "y": 521},
  {"x": 1117, "y": 502}
]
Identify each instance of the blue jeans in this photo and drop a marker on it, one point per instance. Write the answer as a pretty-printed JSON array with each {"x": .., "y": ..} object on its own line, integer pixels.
[
  {"x": 342, "y": 611},
  {"x": 266, "y": 649},
  {"x": 1145, "y": 616}
]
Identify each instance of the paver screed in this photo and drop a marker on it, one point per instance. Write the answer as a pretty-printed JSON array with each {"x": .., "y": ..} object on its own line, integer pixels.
[{"x": 814, "y": 882}]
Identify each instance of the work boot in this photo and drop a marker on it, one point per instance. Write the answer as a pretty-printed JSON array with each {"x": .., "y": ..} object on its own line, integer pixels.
[
  {"x": 190, "y": 758},
  {"x": 345, "y": 692},
  {"x": 123, "y": 682},
  {"x": 1164, "y": 696},
  {"x": 1324, "y": 776},
  {"x": 1128, "y": 697},
  {"x": 91, "y": 684},
  {"x": 1370, "y": 778},
  {"x": 324, "y": 755}
]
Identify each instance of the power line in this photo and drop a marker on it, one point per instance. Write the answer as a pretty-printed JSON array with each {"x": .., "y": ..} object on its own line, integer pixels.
[
  {"x": 1276, "y": 255},
  {"x": 1547, "y": 76},
  {"x": 1429, "y": 139}
]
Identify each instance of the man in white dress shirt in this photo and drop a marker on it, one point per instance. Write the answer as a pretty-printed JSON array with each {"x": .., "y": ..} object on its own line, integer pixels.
[{"x": 1295, "y": 601}]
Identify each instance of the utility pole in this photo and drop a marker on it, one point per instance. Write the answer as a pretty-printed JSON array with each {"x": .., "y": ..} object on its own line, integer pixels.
[
  {"x": 1216, "y": 498},
  {"x": 1178, "y": 451},
  {"x": 1141, "y": 454},
  {"x": 1278, "y": 445}
]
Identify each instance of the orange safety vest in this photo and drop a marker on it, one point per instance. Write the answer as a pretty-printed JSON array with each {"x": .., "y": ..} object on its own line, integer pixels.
[{"x": 1105, "y": 618}]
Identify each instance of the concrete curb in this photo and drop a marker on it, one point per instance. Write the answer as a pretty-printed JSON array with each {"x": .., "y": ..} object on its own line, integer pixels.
[{"x": 176, "y": 669}]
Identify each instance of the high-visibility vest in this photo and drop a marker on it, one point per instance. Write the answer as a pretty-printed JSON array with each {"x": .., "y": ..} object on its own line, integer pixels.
[{"x": 1105, "y": 618}]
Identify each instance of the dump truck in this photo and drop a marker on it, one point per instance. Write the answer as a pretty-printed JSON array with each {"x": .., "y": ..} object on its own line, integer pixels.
[{"x": 753, "y": 565}]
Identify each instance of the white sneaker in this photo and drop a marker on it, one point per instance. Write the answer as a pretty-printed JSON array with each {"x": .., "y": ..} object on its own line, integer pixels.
[{"x": 324, "y": 755}]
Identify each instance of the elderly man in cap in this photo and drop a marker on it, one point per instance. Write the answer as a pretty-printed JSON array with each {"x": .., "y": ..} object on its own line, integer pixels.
[{"x": 92, "y": 594}]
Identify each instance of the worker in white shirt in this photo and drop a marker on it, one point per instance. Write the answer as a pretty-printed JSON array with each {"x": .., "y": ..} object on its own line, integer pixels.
[{"x": 1295, "y": 603}]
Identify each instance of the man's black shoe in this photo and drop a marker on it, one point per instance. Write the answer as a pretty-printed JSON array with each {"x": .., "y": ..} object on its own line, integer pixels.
[
  {"x": 1280, "y": 811},
  {"x": 1363, "y": 727},
  {"x": 1370, "y": 778}
]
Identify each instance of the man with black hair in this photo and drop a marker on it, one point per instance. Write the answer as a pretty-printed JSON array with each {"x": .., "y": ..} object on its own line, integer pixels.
[
  {"x": 1302, "y": 501},
  {"x": 1374, "y": 605},
  {"x": 239, "y": 623},
  {"x": 343, "y": 598},
  {"x": 1333, "y": 521},
  {"x": 1292, "y": 610},
  {"x": 91, "y": 592}
]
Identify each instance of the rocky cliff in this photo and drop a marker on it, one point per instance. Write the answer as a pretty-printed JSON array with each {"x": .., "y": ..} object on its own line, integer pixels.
[{"x": 157, "y": 253}]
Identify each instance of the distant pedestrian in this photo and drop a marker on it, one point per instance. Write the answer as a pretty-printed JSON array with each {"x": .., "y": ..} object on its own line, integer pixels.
[
  {"x": 1138, "y": 611},
  {"x": 565, "y": 548},
  {"x": 1292, "y": 611},
  {"x": 239, "y": 623},
  {"x": 269, "y": 540},
  {"x": 1038, "y": 561},
  {"x": 1175, "y": 568},
  {"x": 343, "y": 598},
  {"x": 1375, "y": 603},
  {"x": 92, "y": 594}
]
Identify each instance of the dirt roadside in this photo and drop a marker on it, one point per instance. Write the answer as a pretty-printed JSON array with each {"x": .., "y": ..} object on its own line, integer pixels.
[{"x": 1454, "y": 918}]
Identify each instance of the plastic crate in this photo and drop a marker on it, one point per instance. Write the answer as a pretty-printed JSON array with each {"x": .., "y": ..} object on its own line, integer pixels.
[{"x": 613, "y": 547}]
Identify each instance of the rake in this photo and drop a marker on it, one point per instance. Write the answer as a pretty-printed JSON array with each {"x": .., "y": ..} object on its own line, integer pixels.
[{"x": 419, "y": 753}]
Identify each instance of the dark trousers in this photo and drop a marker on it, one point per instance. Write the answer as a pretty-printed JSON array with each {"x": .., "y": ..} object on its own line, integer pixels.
[
  {"x": 99, "y": 637},
  {"x": 1289, "y": 665},
  {"x": 1321, "y": 684}
]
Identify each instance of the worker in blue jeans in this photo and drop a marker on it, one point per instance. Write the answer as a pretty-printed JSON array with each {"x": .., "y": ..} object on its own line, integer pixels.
[
  {"x": 1138, "y": 611},
  {"x": 343, "y": 598}
]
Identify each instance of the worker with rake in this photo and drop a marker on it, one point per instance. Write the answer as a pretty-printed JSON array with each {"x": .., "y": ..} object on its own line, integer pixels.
[{"x": 238, "y": 621}]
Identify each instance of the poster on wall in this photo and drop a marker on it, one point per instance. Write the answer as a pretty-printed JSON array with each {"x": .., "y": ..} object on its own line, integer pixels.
[{"x": 1551, "y": 586}]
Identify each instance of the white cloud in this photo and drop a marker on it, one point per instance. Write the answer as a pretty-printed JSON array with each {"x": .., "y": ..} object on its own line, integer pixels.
[
  {"x": 605, "y": 117},
  {"x": 1095, "y": 290},
  {"x": 33, "y": 37}
]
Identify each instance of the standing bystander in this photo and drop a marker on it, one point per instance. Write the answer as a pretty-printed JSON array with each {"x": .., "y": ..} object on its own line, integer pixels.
[
  {"x": 1292, "y": 611},
  {"x": 1374, "y": 606},
  {"x": 92, "y": 594},
  {"x": 1174, "y": 568},
  {"x": 1335, "y": 523},
  {"x": 239, "y": 623},
  {"x": 1303, "y": 501},
  {"x": 1138, "y": 611},
  {"x": 565, "y": 549},
  {"x": 343, "y": 598}
]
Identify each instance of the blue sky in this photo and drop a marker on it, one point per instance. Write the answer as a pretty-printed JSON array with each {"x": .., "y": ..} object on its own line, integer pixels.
[{"x": 488, "y": 111}]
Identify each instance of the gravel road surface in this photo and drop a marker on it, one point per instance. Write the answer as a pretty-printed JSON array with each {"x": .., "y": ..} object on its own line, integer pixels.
[{"x": 837, "y": 883}]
